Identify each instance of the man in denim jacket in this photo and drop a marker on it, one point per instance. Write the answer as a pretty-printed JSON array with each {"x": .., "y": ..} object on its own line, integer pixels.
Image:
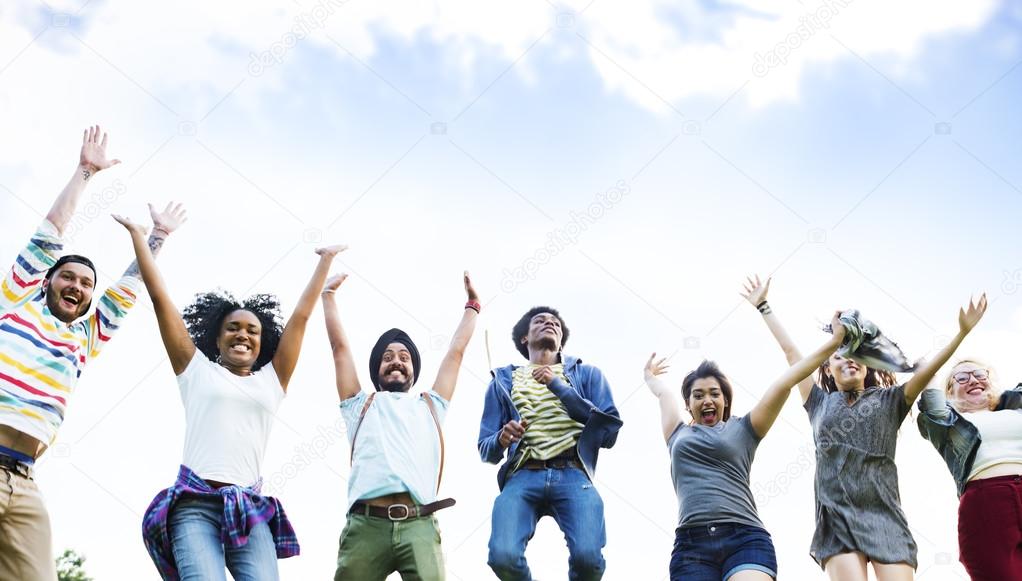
[{"x": 551, "y": 416}]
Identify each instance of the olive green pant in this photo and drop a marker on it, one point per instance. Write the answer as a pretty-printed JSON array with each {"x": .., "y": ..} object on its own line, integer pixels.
[{"x": 372, "y": 548}]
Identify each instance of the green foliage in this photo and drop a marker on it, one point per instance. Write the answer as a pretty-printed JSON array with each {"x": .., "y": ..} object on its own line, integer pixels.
[{"x": 70, "y": 567}]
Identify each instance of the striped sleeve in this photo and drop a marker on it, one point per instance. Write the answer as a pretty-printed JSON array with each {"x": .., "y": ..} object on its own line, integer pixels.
[
  {"x": 111, "y": 309},
  {"x": 26, "y": 275}
]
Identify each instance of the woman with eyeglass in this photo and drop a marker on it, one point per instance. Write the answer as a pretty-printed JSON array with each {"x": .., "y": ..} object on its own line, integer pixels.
[{"x": 977, "y": 428}]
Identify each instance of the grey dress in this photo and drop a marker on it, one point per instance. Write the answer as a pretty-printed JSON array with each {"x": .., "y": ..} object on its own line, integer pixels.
[{"x": 857, "y": 503}]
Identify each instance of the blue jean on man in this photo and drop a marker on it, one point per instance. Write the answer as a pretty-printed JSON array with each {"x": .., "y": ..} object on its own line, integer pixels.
[
  {"x": 199, "y": 553},
  {"x": 569, "y": 497}
]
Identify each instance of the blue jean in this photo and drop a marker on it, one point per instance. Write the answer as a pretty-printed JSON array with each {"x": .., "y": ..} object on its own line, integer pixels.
[
  {"x": 716, "y": 552},
  {"x": 569, "y": 497},
  {"x": 199, "y": 552}
]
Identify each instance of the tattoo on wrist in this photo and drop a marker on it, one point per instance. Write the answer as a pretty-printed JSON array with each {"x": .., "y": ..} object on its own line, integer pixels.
[
  {"x": 764, "y": 308},
  {"x": 86, "y": 173},
  {"x": 155, "y": 243}
]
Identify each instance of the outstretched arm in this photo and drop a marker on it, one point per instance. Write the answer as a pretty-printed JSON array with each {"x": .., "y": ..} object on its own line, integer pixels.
[
  {"x": 670, "y": 412},
  {"x": 756, "y": 294},
  {"x": 344, "y": 363},
  {"x": 762, "y": 416},
  {"x": 91, "y": 160},
  {"x": 178, "y": 344},
  {"x": 286, "y": 357},
  {"x": 967, "y": 319},
  {"x": 447, "y": 377}
]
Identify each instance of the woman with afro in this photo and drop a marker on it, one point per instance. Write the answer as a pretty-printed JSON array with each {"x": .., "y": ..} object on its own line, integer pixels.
[{"x": 233, "y": 362}]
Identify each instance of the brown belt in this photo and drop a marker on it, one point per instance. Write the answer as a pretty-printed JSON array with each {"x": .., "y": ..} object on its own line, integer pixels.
[
  {"x": 558, "y": 463},
  {"x": 397, "y": 512}
]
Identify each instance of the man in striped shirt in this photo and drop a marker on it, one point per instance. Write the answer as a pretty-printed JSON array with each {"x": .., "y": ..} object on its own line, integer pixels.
[
  {"x": 551, "y": 416},
  {"x": 46, "y": 340}
]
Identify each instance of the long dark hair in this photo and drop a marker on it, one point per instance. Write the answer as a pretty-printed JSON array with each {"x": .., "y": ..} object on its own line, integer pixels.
[
  {"x": 874, "y": 378},
  {"x": 205, "y": 316}
]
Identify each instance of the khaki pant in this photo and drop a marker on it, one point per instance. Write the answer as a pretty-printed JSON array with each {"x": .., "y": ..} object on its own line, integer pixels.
[
  {"x": 26, "y": 551},
  {"x": 373, "y": 548}
]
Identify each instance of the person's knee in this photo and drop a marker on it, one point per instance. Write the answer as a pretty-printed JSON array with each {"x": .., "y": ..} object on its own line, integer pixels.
[
  {"x": 505, "y": 560},
  {"x": 587, "y": 562}
]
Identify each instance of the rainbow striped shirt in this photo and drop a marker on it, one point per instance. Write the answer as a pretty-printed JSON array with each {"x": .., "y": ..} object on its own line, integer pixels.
[{"x": 41, "y": 357}]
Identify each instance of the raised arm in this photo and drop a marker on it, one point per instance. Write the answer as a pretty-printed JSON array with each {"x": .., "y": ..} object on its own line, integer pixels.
[
  {"x": 670, "y": 412},
  {"x": 344, "y": 364},
  {"x": 91, "y": 160},
  {"x": 762, "y": 416},
  {"x": 178, "y": 344},
  {"x": 286, "y": 357},
  {"x": 756, "y": 294},
  {"x": 967, "y": 319},
  {"x": 447, "y": 377}
]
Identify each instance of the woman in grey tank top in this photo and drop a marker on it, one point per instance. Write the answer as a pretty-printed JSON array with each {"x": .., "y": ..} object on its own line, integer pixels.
[
  {"x": 719, "y": 534},
  {"x": 855, "y": 412}
]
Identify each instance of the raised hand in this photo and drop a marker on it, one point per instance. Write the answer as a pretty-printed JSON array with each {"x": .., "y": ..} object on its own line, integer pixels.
[
  {"x": 837, "y": 328},
  {"x": 331, "y": 251},
  {"x": 469, "y": 289},
  {"x": 93, "y": 155},
  {"x": 967, "y": 318},
  {"x": 755, "y": 291},
  {"x": 655, "y": 368},
  {"x": 334, "y": 282},
  {"x": 169, "y": 219},
  {"x": 130, "y": 226}
]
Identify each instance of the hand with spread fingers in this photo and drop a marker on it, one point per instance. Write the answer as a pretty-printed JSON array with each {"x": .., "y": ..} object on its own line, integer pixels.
[{"x": 93, "y": 156}]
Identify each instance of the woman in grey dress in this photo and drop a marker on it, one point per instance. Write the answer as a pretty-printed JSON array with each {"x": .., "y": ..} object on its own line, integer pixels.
[{"x": 855, "y": 413}]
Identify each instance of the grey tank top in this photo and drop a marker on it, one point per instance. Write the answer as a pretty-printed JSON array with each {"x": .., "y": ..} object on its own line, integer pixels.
[{"x": 710, "y": 467}]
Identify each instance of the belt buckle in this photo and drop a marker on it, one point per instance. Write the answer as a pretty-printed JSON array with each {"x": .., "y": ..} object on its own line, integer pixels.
[{"x": 390, "y": 513}]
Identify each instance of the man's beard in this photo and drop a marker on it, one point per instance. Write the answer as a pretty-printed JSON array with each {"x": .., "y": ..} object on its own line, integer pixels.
[
  {"x": 545, "y": 343},
  {"x": 395, "y": 386}
]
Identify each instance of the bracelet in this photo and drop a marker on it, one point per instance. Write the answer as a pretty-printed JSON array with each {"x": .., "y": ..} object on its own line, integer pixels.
[
  {"x": 164, "y": 230},
  {"x": 474, "y": 305},
  {"x": 328, "y": 292},
  {"x": 763, "y": 308}
]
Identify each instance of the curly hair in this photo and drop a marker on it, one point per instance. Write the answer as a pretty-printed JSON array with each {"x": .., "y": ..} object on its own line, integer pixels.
[
  {"x": 205, "y": 316},
  {"x": 521, "y": 328}
]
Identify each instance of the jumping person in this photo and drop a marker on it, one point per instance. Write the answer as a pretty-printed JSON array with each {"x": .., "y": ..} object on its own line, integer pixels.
[
  {"x": 46, "y": 340},
  {"x": 548, "y": 419},
  {"x": 720, "y": 536},
  {"x": 855, "y": 412},
  {"x": 977, "y": 428},
  {"x": 233, "y": 361},
  {"x": 397, "y": 450}
]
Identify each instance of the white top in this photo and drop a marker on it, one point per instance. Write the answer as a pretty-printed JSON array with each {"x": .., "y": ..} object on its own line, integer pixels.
[
  {"x": 1001, "y": 438},
  {"x": 228, "y": 419},
  {"x": 398, "y": 447}
]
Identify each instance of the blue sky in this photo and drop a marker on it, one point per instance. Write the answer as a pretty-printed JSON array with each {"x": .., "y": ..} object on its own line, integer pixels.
[{"x": 828, "y": 170}]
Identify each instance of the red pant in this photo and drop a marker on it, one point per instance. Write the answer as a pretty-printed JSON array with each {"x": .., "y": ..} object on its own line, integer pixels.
[{"x": 990, "y": 528}]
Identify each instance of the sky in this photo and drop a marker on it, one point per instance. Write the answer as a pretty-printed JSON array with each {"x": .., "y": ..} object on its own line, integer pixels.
[{"x": 626, "y": 163}]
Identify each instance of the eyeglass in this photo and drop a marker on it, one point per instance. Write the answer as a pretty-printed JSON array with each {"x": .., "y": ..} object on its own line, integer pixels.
[{"x": 962, "y": 377}]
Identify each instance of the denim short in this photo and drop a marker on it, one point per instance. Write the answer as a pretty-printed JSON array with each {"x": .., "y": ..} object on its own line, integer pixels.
[{"x": 716, "y": 552}]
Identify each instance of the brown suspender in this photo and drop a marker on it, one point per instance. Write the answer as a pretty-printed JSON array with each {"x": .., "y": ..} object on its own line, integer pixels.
[{"x": 436, "y": 421}]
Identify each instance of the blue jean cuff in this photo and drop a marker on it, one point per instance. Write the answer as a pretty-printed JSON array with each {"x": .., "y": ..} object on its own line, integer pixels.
[{"x": 750, "y": 567}]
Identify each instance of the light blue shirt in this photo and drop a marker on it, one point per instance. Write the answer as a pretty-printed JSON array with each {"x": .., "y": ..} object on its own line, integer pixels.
[{"x": 398, "y": 447}]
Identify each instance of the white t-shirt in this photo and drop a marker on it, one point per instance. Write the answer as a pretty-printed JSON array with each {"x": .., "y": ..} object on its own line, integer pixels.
[
  {"x": 1000, "y": 433},
  {"x": 398, "y": 447},
  {"x": 228, "y": 419}
]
